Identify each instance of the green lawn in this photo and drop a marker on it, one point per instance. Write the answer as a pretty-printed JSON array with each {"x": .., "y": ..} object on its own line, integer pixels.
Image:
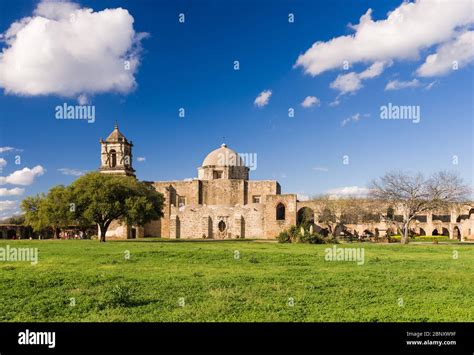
[{"x": 396, "y": 283}]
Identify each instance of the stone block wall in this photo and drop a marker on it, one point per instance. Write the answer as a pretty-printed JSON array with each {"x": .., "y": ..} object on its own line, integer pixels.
[
  {"x": 203, "y": 222},
  {"x": 273, "y": 226},
  {"x": 223, "y": 192},
  {"x": 262, "y": 188}
]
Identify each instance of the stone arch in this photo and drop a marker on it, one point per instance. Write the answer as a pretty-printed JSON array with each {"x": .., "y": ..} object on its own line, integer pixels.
[
  {"x": 280, "y": 212},
  {"x": 440, "y": 231},
  {"x": 113, "y": 158},
  {"x": 390, "y": 212},
  {"x": 305, "y": 217},
  {"x": 456, "y": 233},
  {"x": 421, "y": 232},
  {"x": 221, "y": 226}
]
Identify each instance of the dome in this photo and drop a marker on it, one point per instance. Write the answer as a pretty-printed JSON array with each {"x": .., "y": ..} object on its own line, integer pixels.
[{"x": 223, "y": 156}]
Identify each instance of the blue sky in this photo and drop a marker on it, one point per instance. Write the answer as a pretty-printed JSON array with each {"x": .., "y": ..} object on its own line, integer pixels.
[{"x": 190, "y": 65}]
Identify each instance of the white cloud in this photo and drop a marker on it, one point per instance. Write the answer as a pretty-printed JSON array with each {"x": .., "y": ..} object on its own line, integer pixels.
[
  {"x": 407, "y": 30},
  {"x": 352, "y": 82},
  {"x": 348, "y": 191},
  {"x": 374, "y": 70},
  {"x": 320, "y": 168},
  {"x": 25, "y": 176},
  {"x": 72, "y": 172},
  {"x": 8, "y": 208},
  {"x": 11, "y": 192},
  {"x": 7, "y": 204},
  {"x": 263, "y": 98},
  {"x": 457, "y": 53},
  {"x": 347, "y": 83},
  {"x": 430, "y": 85},
  {"x": 140, "y": 159},
  {"x": 6, "y": 149},
  {"x": 335, "y": 103},
  {"x": 76, "y": 51},
  {"x": 56, "y": 10},
  {"x": 397, "y": 85},
  {"x": 353, "y": 118},
  {"x": 302, "y": 197},
  {"x": 310, "y": 101},
  {"x": 3, "y": 163}
]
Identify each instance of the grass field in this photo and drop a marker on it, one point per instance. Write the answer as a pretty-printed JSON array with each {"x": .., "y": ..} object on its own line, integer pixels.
[{"x": 205, "y": 281}]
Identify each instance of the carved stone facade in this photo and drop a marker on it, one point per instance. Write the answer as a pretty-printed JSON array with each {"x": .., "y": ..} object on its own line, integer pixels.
[{"x": 223, "y": 203}]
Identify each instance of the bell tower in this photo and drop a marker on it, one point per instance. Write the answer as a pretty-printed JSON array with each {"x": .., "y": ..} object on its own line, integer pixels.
[{"x": 116, "y": 154}]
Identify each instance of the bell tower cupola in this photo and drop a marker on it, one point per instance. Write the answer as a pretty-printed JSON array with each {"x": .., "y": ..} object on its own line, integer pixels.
[{"x": 116, "y": 154}]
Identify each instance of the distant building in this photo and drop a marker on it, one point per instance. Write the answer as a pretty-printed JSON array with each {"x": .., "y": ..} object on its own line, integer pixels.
[{"x": 223, "y": 202}]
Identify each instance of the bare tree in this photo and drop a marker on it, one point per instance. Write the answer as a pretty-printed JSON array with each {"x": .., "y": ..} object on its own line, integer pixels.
[
  {"x": 415, "y": 194},
  {"x": 336, "y": 212}
]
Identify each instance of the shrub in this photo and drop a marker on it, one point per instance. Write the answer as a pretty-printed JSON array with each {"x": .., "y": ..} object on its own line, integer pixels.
[
  {"x": 313, "y": 239},
  {"x": 120, "y": 295},
  {"x": 283, "y": 237},
  {"x": 430, "y": 238},
  {"x": 296, "y": 234}
]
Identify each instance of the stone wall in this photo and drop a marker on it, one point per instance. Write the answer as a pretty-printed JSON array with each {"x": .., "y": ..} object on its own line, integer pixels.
[
  {"x": 226, "y": 172},
  {"x": 120, "y": 230},
  {"x": 272, "y": 226},
  {"x": 209, "y": 202},
  {"x": 203, "y": 222},
  {"x": 261, "y": 188},
  {"x": 223, "y": 192},
  {"x": 460, "y": 217}
]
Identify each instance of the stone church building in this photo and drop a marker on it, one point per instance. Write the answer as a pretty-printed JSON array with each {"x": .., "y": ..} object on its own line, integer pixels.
[{"x": 223, "y": 202}]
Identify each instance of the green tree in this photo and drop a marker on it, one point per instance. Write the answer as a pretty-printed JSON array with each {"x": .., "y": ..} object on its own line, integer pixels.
[
  {"x": 57, "y": 209},
  {"x": 31, "y": 208},
  {"x": 49, "y": 211},
  {"x": 101, "y": 199}
]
